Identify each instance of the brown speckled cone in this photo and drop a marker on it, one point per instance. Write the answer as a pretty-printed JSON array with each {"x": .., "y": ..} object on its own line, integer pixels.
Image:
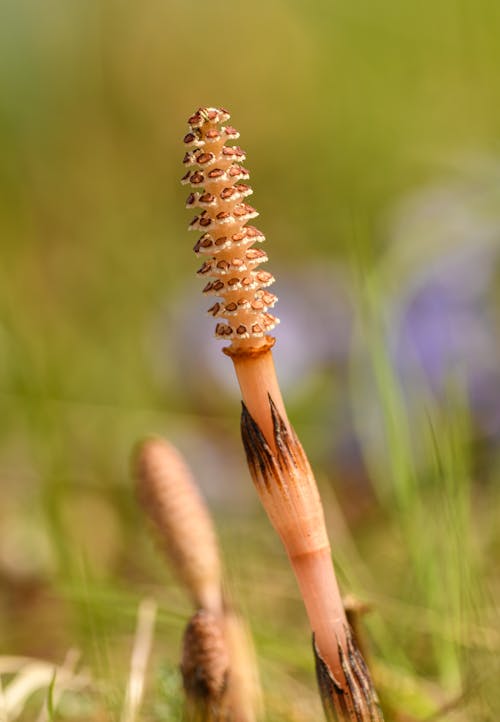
[{"x": 226, "y": 244}]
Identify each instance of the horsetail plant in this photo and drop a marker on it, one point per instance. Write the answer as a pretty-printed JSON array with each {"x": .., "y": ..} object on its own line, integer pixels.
[
  {"x": 277, "y": 462},
  {"x": 218, "y": 666}
]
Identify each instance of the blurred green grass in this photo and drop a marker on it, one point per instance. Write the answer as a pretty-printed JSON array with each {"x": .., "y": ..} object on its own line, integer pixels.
[{"x": 343, "y": 109}]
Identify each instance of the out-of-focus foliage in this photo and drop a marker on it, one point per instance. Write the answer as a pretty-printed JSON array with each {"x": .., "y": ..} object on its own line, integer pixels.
[{"x": 372, "y": 137}]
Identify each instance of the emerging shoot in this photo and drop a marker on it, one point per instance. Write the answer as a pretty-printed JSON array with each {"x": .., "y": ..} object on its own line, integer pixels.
[{"x": 277, "y": 462}]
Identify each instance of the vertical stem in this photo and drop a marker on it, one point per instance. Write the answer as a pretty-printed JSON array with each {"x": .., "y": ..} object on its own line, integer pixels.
[
  {"x": 288, "y": 491},
  {"x": 258, "y": 381},
  {"x": 298, "y": 518},
  {"x": 320, "y": 592}
]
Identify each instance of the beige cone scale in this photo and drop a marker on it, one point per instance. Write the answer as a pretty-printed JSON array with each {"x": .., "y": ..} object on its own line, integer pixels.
[{"x": 226, "y": 246}]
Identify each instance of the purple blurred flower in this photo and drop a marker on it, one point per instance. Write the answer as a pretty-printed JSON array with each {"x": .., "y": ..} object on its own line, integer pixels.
[
  {"x": 438, "y": 297},
  {"x": 446, "y": 313}
]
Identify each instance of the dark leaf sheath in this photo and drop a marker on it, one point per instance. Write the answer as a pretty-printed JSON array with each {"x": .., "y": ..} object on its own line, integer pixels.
[
  {"x": 260, "y": 459},
  {"x": 354, "y": 700}
]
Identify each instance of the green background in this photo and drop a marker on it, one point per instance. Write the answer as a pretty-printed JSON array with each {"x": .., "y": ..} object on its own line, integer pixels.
[{"x": 345, "y": 109}]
